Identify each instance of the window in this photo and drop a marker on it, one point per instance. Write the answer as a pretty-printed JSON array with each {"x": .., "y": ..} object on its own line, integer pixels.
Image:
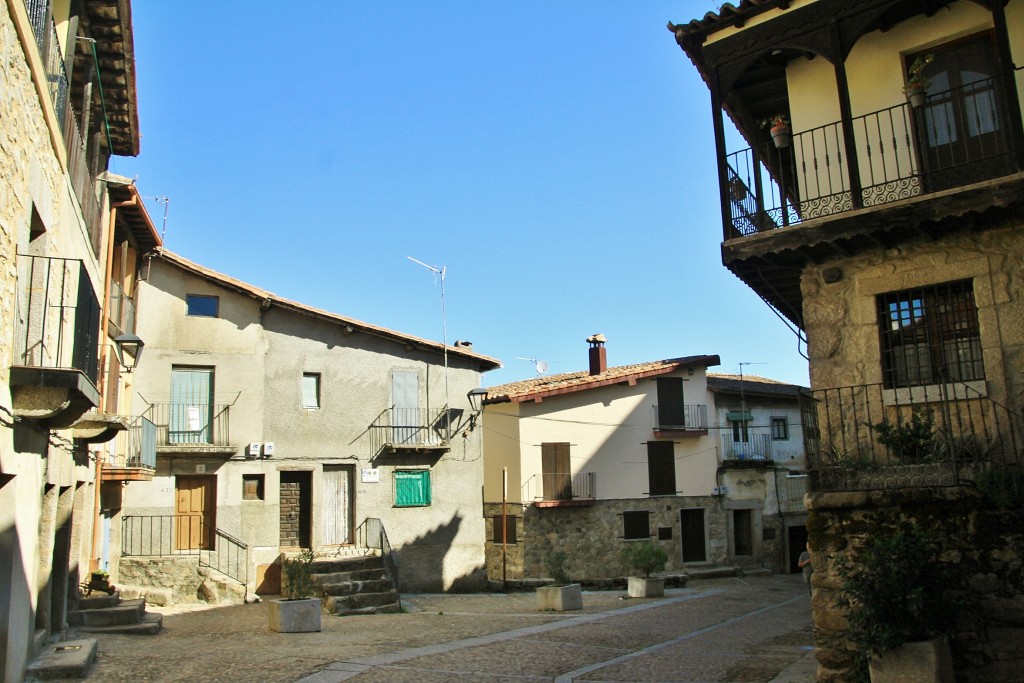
[
  {"x": 252, "y": 487},
  {"x": 661, "y": 468},
  {"x": 556, "y": 471},
  {"x": 412, "y": 488},
  {"x": 636, "y": 524},
  {"x": 671, "y": 411},
  {"x": 510, "y": 529},
  {"x": 780, "y": 429},
  {"x": 311, "y": 390},
  {"x": 201, "y": 305},
  {"x": 740, "y": 431},
  {"x": 930, "y": 335},
  {"x": 742, "y": 532}
]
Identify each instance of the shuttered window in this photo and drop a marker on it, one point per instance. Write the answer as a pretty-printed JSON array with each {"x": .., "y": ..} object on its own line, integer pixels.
[
  {"x": 412, "y": 488},
  {"x": 509, "y": 527},
  {"x": 636, "y": 524},
  {"x": 661, "y": 468},
  {"x": 311, "y": 391}
]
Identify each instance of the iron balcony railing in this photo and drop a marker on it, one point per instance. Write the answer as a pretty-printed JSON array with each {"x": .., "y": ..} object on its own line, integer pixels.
[
  {"x": 135, "y": 447},
  {"x": 560, "y": 486},
  {"x": 185, "y": 535},
  {"x": 122, "y": 311},
  {"x": 680, "y": 417},
  {"x": 958, "y": 137},
  {"x": 49, "y": 49},
  {"x": 407, "y": 428},
  {"x": 870, "y": 437},
  {"x": 190, "y": 423},
  {"x": 57, "y": 319},
  {"x": 753, "y": 447}
]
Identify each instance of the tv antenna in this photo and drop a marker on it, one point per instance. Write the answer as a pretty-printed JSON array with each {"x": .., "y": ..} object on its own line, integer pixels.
[
  {"x": 541, "y": 366},
  {"x": 440, "y": 272},
  {"x": 166, "y": 201},
  {"x": 743, "y": 398}
]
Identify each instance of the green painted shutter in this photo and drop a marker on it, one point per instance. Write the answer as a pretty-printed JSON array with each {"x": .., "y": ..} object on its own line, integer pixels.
[{"x": 412, "y": 487}]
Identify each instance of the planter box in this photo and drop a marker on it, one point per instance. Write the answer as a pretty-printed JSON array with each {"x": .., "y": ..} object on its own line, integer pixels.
[
  {"x": 927, "y": 661},
  {"x": 560, "y": 598},
  {"x": 640, "y": 587},
  {"x": 295, "y": 616}
]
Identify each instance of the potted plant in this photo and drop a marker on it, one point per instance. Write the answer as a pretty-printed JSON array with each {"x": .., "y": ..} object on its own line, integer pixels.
[
  {"x": 642, "y": 559},
  {"x": 778, "y": 126},
  {"x": 297, "y": 611},
  {"x": 894, "y": 594},
  {"x": 562, "y": 595},
  {"x": 99, "y": 580},
  {"x": 917, "y": 82}
]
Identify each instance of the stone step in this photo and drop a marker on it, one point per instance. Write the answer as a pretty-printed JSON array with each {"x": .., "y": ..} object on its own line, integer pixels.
[
  {"x": 391, "y": 608},
  {"x": 150, "y": 625},
  {"x": 711, "y": 572},
  {"x": 128, "y": 612},
  {"x": 341, "y": 603},
  {"x": 99, "y": 601},
  {"x": 352, "y": 587},
  {"x": 356, "y": 575},
  {"x": 68, "y": 659},
  {"x": 755, "y": 571},
  {"x": 342, "y": 564}
]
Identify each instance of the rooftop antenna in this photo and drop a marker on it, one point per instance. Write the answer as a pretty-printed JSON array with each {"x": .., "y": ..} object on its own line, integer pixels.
[
  {"x": 541, "y": 366},
  {"x": 743, "y": 399},
  {"x": 166, "y": 201},
  {"x": 444, "y": 327}
]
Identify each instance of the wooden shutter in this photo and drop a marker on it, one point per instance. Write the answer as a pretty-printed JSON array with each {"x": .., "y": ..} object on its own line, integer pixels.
[
  {"x": 661, "y": 468},
  {"x": 412, "y": 488},
  {"x": 671, "y": 412},
  {"x": 557, "y": 472}
]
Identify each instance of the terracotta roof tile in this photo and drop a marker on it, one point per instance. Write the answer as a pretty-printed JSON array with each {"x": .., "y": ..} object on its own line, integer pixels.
[{"x": 568, "y": 382}]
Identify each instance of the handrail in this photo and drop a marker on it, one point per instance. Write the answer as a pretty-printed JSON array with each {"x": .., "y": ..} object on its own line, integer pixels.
[
  {"x": 560, "y": 486},
  {"x": 372, "y": 535}
]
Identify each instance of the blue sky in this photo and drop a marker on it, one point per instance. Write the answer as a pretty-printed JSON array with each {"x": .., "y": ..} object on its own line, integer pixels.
[{"x": 555, "y": 157}]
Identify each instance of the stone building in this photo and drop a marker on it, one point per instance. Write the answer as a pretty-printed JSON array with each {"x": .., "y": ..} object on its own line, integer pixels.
[
  {"x": 279, "y": 426},
  {"x": 584, "y": 462},
  {"x": 67, "y": 104},
  {"x": 875, "y": 201}
]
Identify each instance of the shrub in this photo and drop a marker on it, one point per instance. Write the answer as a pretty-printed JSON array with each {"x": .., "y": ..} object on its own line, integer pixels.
[
  {"x": 893, "y": 590},
  {"x": 558, "y": 568},
  {"x": 298, "y": 576},
  {"x": 911, "y": 442},
  {"x": 644, "y": 557},
  {"x": 1002, "y": 487}
]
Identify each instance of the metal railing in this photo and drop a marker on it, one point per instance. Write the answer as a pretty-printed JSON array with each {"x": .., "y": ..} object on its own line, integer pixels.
[
  {"x": 49, "y": 49},
  {"x": 685, "y": 417},
  {"x": 560, "y": 486},
  {"x": 122, "y": 311},
  {"x": 372, "y": 535},
  {"x": 755, "y": 447},
  {"x": 184, "y": 424},
  {"x": 57, "y": 319},
  {"x": 185, "y": 536},
  {"x": 957, "y": 137},
  {"x": 134, "y": 447},
  {"x": 406, "y": 428},
  {"x": 872, "y": 437}
]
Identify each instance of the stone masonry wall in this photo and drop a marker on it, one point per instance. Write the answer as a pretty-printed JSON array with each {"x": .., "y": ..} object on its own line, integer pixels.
[
  {"x": 984, "y": 544},
  {"x": 180, "y": 576}
]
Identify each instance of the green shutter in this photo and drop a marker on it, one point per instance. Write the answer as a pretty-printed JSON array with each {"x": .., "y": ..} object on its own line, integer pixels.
[{"x": 412, "y": 488}]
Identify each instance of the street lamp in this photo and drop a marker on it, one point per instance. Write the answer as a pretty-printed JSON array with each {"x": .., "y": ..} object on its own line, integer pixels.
[
  {"x": 129, "y": 350},
  {"x": 476, "y": 403}
]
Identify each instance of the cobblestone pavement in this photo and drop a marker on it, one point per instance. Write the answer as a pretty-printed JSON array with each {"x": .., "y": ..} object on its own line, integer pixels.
[{"x": 740, "y": 630}]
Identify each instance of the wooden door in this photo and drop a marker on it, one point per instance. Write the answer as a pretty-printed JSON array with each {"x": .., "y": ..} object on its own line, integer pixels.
[
  {"x": 336, "y": 508},
  {"x": 195, "y": 510},
  {"x": 296, "y": 509},
  {"x": 692, "y": 523},
  {"x": 556, "y": 471}
]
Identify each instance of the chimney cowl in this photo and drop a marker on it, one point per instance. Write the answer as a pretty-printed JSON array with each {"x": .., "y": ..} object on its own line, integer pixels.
[{"x": 598, "y": 354}]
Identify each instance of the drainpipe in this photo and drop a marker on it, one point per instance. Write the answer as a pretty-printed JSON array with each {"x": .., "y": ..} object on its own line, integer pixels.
[{"x": 108, "y": 269}]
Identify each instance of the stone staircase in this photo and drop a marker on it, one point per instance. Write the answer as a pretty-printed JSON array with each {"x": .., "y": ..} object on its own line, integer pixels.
[
  {"x": 111, "y": 614},
  {"x": 356, "y": 585}
]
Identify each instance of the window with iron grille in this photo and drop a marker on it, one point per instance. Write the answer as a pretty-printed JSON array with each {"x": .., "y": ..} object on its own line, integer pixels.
[{"x": 930, "y": 335}]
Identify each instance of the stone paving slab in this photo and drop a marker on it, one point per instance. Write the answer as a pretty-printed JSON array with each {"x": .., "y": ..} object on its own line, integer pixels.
[{"x": 491, "y": 638}]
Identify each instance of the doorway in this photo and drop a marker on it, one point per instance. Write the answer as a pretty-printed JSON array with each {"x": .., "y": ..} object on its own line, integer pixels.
[
  {"x": 694, "y": 542},
  {"x": 195, "y": 511},
  {"x": 796, "y": 537},
  {"x": 296, "y": 509},
  {"x": 337, "y": 508}
]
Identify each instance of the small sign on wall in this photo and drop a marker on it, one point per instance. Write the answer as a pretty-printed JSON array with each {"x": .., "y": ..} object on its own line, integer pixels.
[
  {"x": 371, "y": 476},
  {"x": 200, "y": 468}
]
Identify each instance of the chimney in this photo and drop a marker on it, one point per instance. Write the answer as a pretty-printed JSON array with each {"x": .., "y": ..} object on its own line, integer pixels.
[{"x": 598, "y": 356}]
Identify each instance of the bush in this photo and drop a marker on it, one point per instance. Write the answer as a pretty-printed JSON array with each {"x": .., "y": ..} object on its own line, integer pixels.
[
  {"x": 893, "y": 590},
  {"x": 912, "y": 442},
  {"x": 1002, "y": 487},
  {"x": 298, "y": 576},
  {"x": 644, "y": 558},
  {"x": 558, "y": 568}
]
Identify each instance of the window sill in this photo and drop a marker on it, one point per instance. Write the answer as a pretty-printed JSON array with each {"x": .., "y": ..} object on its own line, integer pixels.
[{"x": 935, "y": 393}]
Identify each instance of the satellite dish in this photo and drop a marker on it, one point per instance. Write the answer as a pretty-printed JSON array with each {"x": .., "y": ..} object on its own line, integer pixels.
[{"x": 542, "y": 367}]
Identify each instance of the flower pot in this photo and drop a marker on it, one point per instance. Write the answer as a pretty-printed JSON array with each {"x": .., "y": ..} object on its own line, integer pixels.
[
  {"x": 780, "y": 135},
  {"x": 560, "y": 598},
  {"x": 916, "y": 95},
  {"x": 920, "y": 662},
  {"x": 295, "y": 616},
  {"x": 639, "y": 587}
]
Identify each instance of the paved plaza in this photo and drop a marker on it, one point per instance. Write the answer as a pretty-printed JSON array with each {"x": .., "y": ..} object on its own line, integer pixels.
[{"x": 739, "y": 629}]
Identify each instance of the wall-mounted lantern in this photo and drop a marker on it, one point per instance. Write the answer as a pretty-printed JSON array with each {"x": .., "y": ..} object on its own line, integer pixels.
[
  {"x": 476, "y": 404},
  {"x": 129, "y": 350}
]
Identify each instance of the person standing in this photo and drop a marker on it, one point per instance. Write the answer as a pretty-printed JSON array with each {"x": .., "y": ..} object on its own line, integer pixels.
[{"x": 804, "y": 562}]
